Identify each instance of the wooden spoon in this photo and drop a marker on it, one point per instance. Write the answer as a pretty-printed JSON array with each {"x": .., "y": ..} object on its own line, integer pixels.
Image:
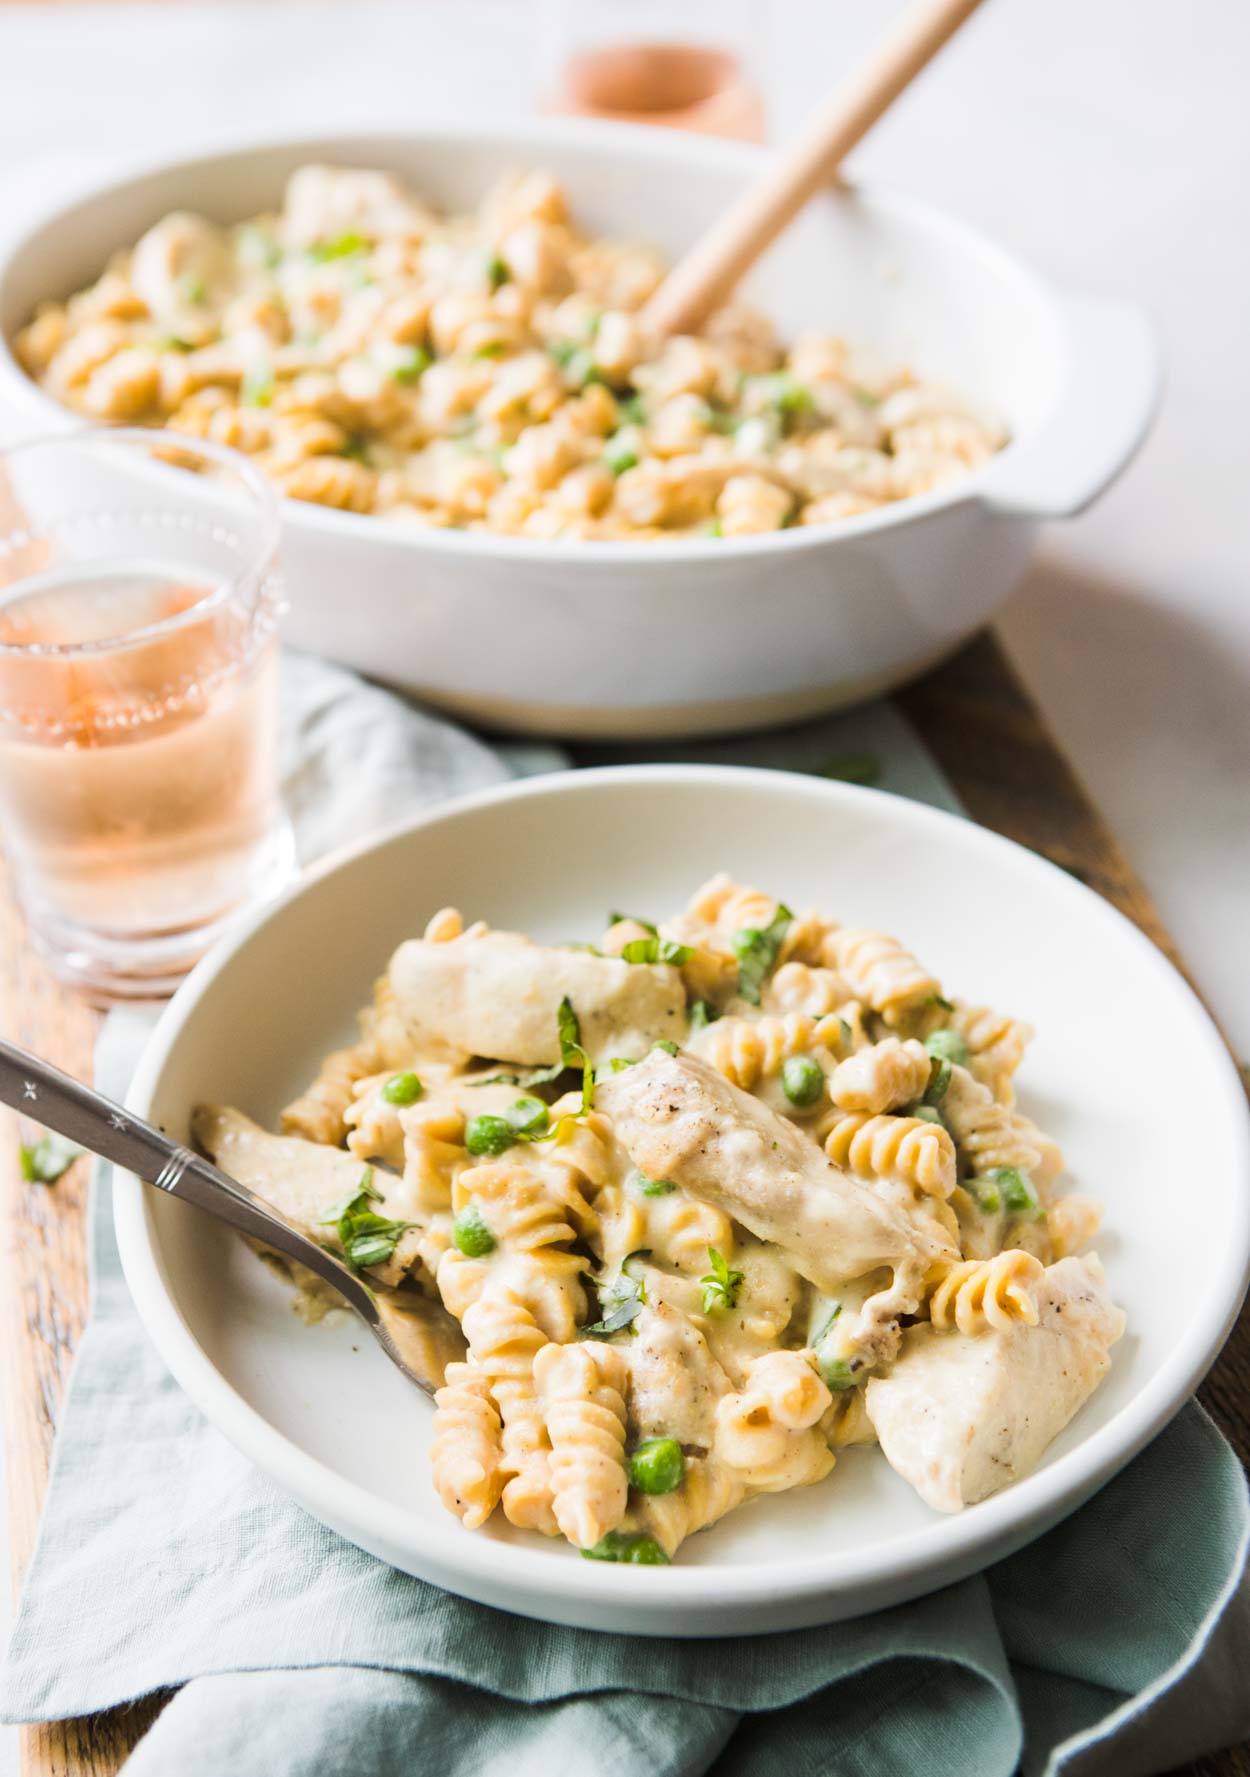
[{"x": 704, "y": 278}]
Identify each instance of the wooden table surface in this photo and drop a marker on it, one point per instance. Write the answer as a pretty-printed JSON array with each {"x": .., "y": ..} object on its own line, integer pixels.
[{"x": 985, "y": 732}]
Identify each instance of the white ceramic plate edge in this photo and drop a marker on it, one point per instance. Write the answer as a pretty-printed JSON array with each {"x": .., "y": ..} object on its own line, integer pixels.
[{"x": 677, "y": 1600}]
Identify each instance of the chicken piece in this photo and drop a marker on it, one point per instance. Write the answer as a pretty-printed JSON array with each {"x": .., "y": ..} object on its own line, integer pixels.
[
  {"x": 183, "y": 273},
  {"x": 959, "y": 1417},
  {"x": 679, "y": 1119},
  {"x": 496, "y": 994},
  {"x": 326, "y": 203},
  {"x": 675, "y": 1382}
]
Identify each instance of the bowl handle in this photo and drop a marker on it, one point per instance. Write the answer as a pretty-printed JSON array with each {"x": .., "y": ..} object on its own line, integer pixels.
[{"x": 1111, "y": 385}]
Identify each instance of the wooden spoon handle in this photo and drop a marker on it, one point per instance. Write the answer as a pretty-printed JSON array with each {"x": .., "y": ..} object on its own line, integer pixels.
[{"x": 707, "y": 274}]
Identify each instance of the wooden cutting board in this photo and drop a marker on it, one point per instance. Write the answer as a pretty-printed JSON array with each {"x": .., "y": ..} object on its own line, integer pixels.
[{"x": 985, "y": 732}]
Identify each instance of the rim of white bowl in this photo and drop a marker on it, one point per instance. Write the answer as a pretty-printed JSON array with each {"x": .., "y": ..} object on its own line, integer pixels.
[
  {"x": 916, "y": 1562},
  {"x": 637, "y": 142}
]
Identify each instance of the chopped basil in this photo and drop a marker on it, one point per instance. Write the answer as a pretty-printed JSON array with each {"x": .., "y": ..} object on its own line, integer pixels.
[
  {"x": 838, "y": 1373},
  {"x": 832, "y": 1310},
  {"x": 496, "y": 270},
  {"x": 470, "y": 1234},
  {"x": 44, "y": 1161},
  {"x": 403, "y": 1089},
  {"x": 633, "y": 410},
  {"x": 346, "y": 246},
  {"x": 656, "y": 950},
  {"x": 852, "y": 768},
  {"x": 651, "y": 1187},
  {"x": 864, "y": 396},
  {"x": 935, "y": 999},
  {"x": 356, "y": 449},
  {"x": 667, "y": 1044},
  {"x": 720, "y": 1284},
  {"x": 192, "y": 290},
  {"x": 366, "y": 1237},
  {"x": 802, "y": 1079},
  {"x": 571, "y": 1055},
  {"x": 170, "y": 342},
  {"x": 413, "y": 365},
  {"x": 621, "y": 1301},
  {"x": 702, "y": 1013},
  {"x": 1018, "y": 1192},
  {"x": 620, "y": 1545},
  {"x": 256, "y": 389},
  {"x": 949, "y": 1046},
  {"x": 939, "y": 1081},
  {"x": 757, "y": 952},
  {"x": 493, "y": 348}
]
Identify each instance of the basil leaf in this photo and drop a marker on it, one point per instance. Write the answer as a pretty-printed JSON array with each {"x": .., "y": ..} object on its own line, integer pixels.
[
  {"x": 939, "y": 1081},
  {"x": 667, "y": 1044},
  {"x": 622, "y": 1300},
  {"x": 720, "y": 1284},
  {"x": 571, "y": 1055},
  {"x": 702, "y": 1013},
  {"x": 656, "y": 950},
  {"x": 757, "y": 952},
  {"x": 345, "y": 247},
  {"x": 44, "y": 1161}
]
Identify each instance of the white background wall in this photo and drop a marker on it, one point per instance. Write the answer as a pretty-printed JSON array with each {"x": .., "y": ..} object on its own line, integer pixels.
[{"x": 1108, "y": 143}]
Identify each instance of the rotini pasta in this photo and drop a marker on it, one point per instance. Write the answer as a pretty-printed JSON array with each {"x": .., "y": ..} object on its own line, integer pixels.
[
  {"x": 583, "y": 1391},
  {"x": 981, "y": 1293},
  {"x": 711, "y": 1200},
  {"x": 905, "y": 1148}
]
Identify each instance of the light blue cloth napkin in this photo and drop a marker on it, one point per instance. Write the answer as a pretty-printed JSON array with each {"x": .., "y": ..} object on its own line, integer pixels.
[{"x": 1117, "y": 1643}]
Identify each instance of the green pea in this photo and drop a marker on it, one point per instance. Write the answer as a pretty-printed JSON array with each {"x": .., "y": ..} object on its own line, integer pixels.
[
  {"x": 528, "y": 1116},
  {"x": 947, "y": 1045},
  {"x": 403, "y": 1089},
  {"x": 471, "y": 1235},
  {"x": 802, "y": 1079},
  {"x": 657, "y": 1466},
  {"x": 619, "y": 1545},
  {"x": 644, "y": 1551},
  {"x": 489, "y": 1135}
]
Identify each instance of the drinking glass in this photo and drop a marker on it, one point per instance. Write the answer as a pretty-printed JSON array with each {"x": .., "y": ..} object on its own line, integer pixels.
[{"x": 139, "y": 597}]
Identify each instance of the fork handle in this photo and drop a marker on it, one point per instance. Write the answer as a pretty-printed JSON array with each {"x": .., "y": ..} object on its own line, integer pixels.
[{"x": 87, "y": 1117}]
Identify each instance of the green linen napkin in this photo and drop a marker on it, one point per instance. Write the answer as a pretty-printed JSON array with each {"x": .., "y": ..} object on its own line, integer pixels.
[{"x": 1117, "y": 1643}]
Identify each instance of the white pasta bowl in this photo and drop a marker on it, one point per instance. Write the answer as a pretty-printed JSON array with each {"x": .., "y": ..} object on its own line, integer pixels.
[
  {"x": 1127, "y": 1071},
  {"x": 692, "y": 635}
]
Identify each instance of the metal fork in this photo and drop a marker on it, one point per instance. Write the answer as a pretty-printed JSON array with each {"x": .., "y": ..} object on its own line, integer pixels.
[{"x": 416, "y": 1333}]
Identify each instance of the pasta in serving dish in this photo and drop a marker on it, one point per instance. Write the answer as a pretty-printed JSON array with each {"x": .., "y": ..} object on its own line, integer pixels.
[
  {"x": 698, "y": 1237},
  {"x": 487, "y": 372}
]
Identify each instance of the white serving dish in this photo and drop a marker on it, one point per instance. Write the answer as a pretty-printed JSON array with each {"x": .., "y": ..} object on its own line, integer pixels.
[
  {"x": 659, "y": 639},
  {"x": 1127, "y": 1071}
]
